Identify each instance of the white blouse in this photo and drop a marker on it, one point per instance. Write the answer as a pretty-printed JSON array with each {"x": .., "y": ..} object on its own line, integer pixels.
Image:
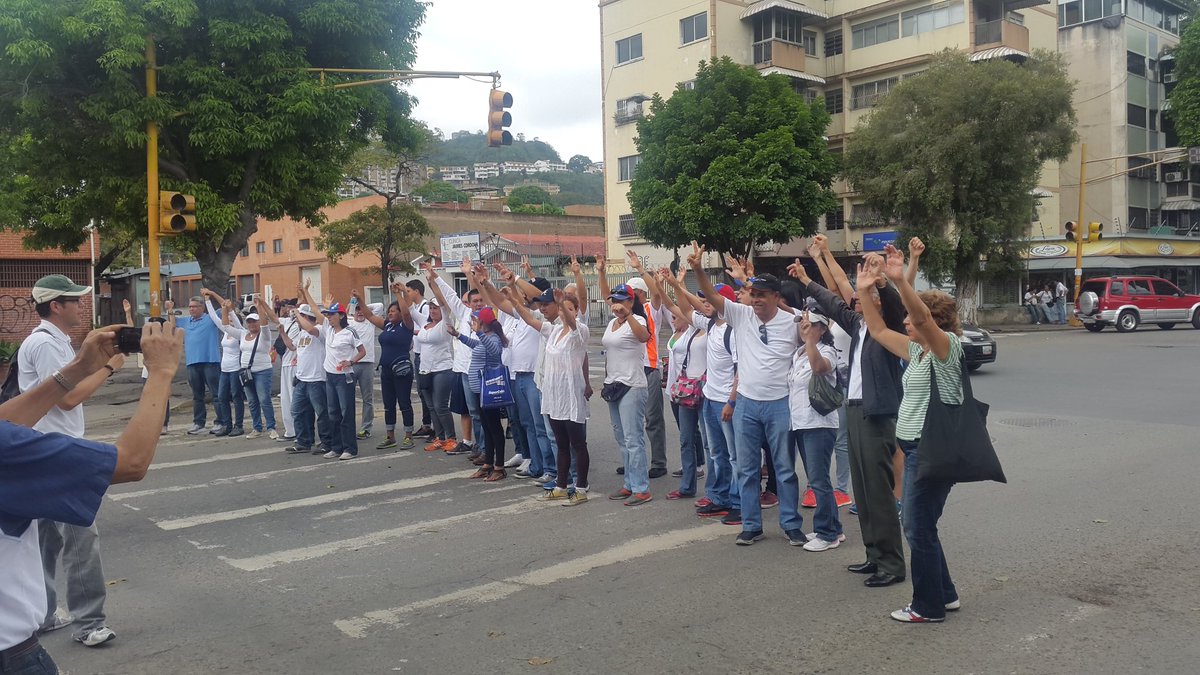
[{"x": 562, "y": 373}]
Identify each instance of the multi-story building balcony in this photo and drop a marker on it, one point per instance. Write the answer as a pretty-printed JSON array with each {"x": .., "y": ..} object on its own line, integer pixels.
[{"x": 1001, "y": 35}]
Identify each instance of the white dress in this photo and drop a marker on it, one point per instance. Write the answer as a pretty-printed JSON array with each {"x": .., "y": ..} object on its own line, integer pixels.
[{"x": 562, "y": 373}]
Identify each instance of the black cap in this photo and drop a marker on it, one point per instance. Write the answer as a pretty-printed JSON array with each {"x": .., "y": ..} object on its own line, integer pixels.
[
  {"x": 541, "y": 283},
  {"x": 765, "y": 282},
  {"x": 545, "y": 298}
]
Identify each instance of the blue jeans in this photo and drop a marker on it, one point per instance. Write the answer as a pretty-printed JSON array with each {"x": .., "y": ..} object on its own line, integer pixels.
[
  {"x": 308, "y": 405},
  {"x": 339, "y": 398},
  {"x": 34, "y": 662},
  {"x": 691, "y": 452},
  {"x": 923, "y": 503},
  {"x": 720, "y": 488},
  {"x": 259, "y": 396},
  {"x": 628, "y": 417},
  {"x": 201, "y": 375},
  {"x": 816, "y": 446},
  {"x": 753, "y": 423},
  {"x": 474, "y": 411},
  {"x": 517, "y": 422},
  {"x": 231, "y": 401},
  {"x": 537, "y": 440}
]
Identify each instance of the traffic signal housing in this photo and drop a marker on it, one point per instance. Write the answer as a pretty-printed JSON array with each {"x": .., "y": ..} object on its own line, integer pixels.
[
  {"x": 498, "y": 118},
  {"x": 177, "y": 213},
  {"x": 1095, "y": 232},
  {"x": 1072, "y": 232}
]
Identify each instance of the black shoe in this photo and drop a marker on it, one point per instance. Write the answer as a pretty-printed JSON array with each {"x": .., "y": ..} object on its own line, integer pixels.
[
  {"x": 620, "y": 471},
  {"x": 863, "y": 568},
  {"x": 319, "y": 450},
  {"x": 508, "y": 432},
  {"x": 658, "y": 472},
  {"x": 295, "y": 450},
  {"x": 423, "y": 432},
  {"x": 882, "y": 579},
  {"x": 734, "y": 517},
  {"x": 712, "y": 511},
  {"x": 237, "y": 431},
  {"x": 677, "y": 473},
  {"x": 745, "y": 538}
]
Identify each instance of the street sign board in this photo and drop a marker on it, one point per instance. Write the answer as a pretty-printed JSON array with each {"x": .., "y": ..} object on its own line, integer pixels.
[
  {"x": 1194, "y": 155},
  {"x": 459, "y": 247}
]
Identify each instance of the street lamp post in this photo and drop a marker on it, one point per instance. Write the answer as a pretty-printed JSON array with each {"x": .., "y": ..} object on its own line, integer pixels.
[{"x": 152, "y": 175}]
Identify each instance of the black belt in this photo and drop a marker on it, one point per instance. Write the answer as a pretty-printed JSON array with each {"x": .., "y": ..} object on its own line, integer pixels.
[
  {"x": 18, "y": 650},
  {"x": 648, "y": 369},
  {"x": 854, "y": 402}
]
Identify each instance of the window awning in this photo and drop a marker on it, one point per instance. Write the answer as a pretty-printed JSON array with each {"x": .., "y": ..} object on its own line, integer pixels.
[
  {"x": 1183, "y": 205},
  {"x": 776, "y": 70},
  {"x": 764, "y": 5},
  {"x": 1012, "y": 5},
  {"x": 998, "y": 53}
]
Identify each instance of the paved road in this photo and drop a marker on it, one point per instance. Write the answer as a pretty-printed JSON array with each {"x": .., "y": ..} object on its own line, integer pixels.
[{"x": 232, "y": 557}]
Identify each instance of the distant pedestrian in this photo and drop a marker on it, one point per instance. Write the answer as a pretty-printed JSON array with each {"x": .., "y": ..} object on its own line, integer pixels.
[
  {"x": 1032, "y": 304},
  {"x": 1060, "y": 301},
  {"x": 202, "y": 348},
  {"x": 1046, "y": 300}
]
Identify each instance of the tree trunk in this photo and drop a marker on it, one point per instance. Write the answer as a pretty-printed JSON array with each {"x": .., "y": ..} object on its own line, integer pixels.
[
  {"x": 215, "y": 264},
  {"x": 106, "y": 259},
  {"x": 966, "y": 290}
]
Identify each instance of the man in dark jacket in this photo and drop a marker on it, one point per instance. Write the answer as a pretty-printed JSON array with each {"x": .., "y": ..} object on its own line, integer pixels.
[{"x": 872, "y": 400}]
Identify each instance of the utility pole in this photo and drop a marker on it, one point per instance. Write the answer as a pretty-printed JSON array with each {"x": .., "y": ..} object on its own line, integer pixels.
[
  {"x": 152, "y": 175},
  {"x": 1074, "y": 320}
]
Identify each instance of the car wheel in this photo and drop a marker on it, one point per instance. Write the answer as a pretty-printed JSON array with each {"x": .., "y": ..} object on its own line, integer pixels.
[
  {"x": 1094, "y": 327},
  {"x": 1127, "y": 321},
  {"x": 1166, "y": 326},
  {"x": 973, "y": 366},
  {"x": 1196, "y": 320}
]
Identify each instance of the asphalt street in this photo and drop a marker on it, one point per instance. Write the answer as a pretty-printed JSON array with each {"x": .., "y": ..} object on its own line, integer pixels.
[{"x": 232, "y": 557}]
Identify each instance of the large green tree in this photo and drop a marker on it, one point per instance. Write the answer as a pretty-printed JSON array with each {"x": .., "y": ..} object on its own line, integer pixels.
[
  {"x": 954, "y": 154},
  {"x": 437, "y": 191},
  {"x": 736, "y": 161},
  {"x": 243, "y": 126},
  {"x": 388, "y": 232},
  {"x": 1185, "y": 97}
]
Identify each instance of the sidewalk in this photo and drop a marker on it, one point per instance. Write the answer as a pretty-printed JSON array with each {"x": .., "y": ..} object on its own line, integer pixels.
[{"x": 1030, "y": 328}]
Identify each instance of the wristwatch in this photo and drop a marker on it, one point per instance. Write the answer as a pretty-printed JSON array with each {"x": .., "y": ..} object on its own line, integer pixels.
[{"x": 111, "y": 370}]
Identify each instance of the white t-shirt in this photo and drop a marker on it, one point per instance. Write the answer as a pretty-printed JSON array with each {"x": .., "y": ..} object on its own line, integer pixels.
[
  {"x": 340, "y": 346},
  {"x": 523, "y": 343},
  {"x": 855, "y": 391},
  {"x": 761, "y": 366},
  {"x": 262, "y": 355},
  {"x": 697, "y": 361},
  {"x": 310, "y": 357},
  {"x": 365, "y": 330},
  {"x": 625, "y": 354},
  {"x": 435, "y": 348},
  {"x": 45, "y": 351},
  {"x": 459, "y": 315},
  {"x": 803, "y": 415},
  {"x": 420, "y": 316},
  {"x": 292, "y": 329},
  {"x": 721, "y": 364},
  {"x": 24, "y": 589},
  {"x": 562, "y": 373}
]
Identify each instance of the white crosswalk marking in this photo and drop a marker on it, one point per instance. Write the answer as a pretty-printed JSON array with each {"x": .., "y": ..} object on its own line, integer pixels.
[
  {"x": 215, "y": 458},
  {"x": 222, "y": 516},
  {"x": 498, "y": 590}
]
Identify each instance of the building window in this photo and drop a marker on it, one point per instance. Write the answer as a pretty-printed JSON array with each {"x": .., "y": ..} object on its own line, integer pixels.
[
  {"x": 833, "y": 101},
  {"x": 868, "y": 94},
  {"x": 932, "y": 18},
  {"x": 626, "y": 167},
  {"x": 629, "y": 49},
  {"x": 689, "y": 85},
  {"x": 810, "y": 42},
  {"x": 835, "y": 220},
  {"x": 875, "y": 32},
  {"x": 833, "y": 43},
  {"x": 260, "y": 247},
  {"x": 1072, "y": 12},
  {"x": 628, "y": 110},
  {"x": 1137, "y": 115},
  {"x": 305, "y": 244},
  {"x": 626, "y": 226},
  {"x": 692, "y": 28},
  {"x": 1135, "y": 64},
  {"x": 245, "y": 253},
  {"x": 277, "y": 245}
]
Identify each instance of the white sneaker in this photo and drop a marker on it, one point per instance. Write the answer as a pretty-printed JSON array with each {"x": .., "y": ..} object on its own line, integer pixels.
[
  {"x": 813, "y": 535},
  {"x": 816, "y": 544},
  {"x": 346, "y": 455},
  {"x": 273, "y": 435},
  {"x": 96, "y": 636},
  {"x": 953, "y": 606},
  {"x": 515, "y": 461},
  {"x": 254, "y": 434},
  {"x": 544, "y": 478},
  {"x": 525, "y": 465},
  {"x": 195, "y": 429},
  {"x": 61, "y": 620},
  {"x": 331, "y": 455}
]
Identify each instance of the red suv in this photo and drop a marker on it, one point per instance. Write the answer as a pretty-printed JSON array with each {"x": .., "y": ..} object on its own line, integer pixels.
[{"x": 1127, "y": 302}]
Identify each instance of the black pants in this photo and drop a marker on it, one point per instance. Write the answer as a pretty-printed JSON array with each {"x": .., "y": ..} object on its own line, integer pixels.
[
  {"x": 396, "y": 391},
  {"x": 424, "y": 391},
  {"x": 872, "y": 447},
  {"x": 493, "y": 433},
  {"x": 771, "y": 484},
  {"x": 571, "y": 437}
]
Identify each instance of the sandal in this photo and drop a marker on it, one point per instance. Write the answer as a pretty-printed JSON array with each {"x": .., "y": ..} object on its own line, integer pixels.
[
  {"x": 479, "y": 461},
  {"x": 482, "y": 472},
  {"x": 497, "y": 474}
]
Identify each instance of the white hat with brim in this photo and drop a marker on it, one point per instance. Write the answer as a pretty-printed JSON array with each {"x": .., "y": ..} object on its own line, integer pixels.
[
  {"x": 306, "y": 310},
  {"x": 252, "y": 316},
  {"x": 57, "y": 286}
]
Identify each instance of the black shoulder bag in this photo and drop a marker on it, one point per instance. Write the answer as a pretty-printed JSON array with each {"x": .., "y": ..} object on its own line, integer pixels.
[
  {"x": 955, "y": 445},
  {"x": 244, "y": 374}
]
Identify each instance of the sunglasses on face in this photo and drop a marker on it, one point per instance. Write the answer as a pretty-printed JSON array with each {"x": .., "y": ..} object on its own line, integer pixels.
[{"x": 762, "y": 333}]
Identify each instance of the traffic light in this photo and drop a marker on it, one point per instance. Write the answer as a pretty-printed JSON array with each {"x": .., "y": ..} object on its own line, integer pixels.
[
  {"x": 1095, "y": 232},
  {"x": 1072, "y": 231},
  {"x": 177, "y": 213},
  {"x": 498, "y": 118}
]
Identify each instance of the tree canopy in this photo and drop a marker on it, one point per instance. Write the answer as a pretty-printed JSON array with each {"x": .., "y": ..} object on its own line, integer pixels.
[
  {"x": 1185, "y": 97},
  {"x": 390, "y": 233},
  {"x": 578, "y": 163},
  {"x": 736, "y": 161},
  {"x": 242, "y": 126},
  {"x": 954, "y": 154},
  {"x": 465, "y": 148},
  {"x": 529, "y": 195},
  {"x": 437, "y": 191}
]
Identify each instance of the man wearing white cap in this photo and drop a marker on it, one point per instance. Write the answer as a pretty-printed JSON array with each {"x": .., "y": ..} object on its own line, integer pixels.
[{"x": 43, "y": 354}]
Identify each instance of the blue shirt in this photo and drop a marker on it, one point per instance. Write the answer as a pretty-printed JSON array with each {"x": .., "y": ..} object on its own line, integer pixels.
[
  {"x": 396, "y": 341},
  {"x": 201, "y": 340}
]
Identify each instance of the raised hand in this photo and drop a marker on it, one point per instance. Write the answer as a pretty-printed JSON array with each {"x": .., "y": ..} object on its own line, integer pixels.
[
  {"x": 507, "y": 292},
  {"x": 821, "y": 242},
  {"x": 301, "y": 288},
  {"x": 558, "y": 296},
  {"x": 696, "y": 257},
  {"x": 681, "y": 275},
  {"x": 575, "y": 268},
  {"x": 396, "y": 287},
  {"x": 894, "y": 265},
  {"x": 814, "y": 250},
  {"x": 797, "y": 271},
  {"x": 748, "y": 265},
  {"x": 807, "y": 333},
  {"x": 634, "y": 261},
  {"x": 526, "y": 267},
  {"x": 736, "y": 269},
  {"x": 329, "y": 300},
  {"x": 126, "y": 306},
  {"x": 307, "y": 284},
  {"x": 354, "y": 293},
  {"x": 868, "y": 274},
  {"x": 427, "y": 267},
  {"x": 664, "y": 275},
  {"x": 915, "y": 247},
  {"x": 466, "y": 267},
  {"x": 601, "y": 263}
]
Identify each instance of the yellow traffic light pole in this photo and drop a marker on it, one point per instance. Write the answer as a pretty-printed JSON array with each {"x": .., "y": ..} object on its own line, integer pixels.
[{"x": 152, "y": 176}]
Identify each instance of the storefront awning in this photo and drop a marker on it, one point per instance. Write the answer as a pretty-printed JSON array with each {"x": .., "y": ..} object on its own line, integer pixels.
[
  {"x": 792, "y": 73},
  {"x": 998, "y": 53},
  {"x": 1112, "y": 262},
  {"x": 788, "y": 5},
  {"x": 1185, "y": 205}
]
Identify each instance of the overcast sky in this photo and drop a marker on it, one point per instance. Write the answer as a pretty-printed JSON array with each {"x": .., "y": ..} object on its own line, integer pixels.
[{"x": 548, "y": 53}]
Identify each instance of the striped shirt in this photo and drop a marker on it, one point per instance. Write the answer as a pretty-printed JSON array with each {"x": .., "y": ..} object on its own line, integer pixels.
[
  {"x": 911, "y": 418},
  {"x": 485, "y": 353}
]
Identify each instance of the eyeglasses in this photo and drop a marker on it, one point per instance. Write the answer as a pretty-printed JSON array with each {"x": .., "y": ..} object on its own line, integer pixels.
[{"x": 762, "y": 332}]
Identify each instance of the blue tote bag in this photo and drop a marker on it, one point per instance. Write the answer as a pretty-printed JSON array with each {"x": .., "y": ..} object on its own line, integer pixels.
[{"x": 494, "y": 389}]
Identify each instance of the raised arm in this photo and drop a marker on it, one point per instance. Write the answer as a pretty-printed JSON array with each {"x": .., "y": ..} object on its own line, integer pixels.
[
  {"x": 265, "y": 310},
  {"x": 918, "y": 312},
  {"x": 445, "y": 295},
  {"x": 128, "y": 312},
  {"x": 815, "y": 252},
  {"x": 869, "y": 272},
  {"x": 841, "y": 283},
  {"x": 307, "y": 325},
  {"x": 521, "y": 310},
  {"x": 580, "y": 286},
  {"x": 503, "y": 302},
  {"x": 832, "y": 305},
  {"x": 376, "y": 321},
  {"x": 402, "y": 302},
  {"x": 812, "y": 341},
  {"x": 602, "y": 277},
  {"x": 915, "y": 248},
  {"x": 665, "y": 278},
  {"x": 302, "y": 293},
  {"x": 695, "y": 261}
]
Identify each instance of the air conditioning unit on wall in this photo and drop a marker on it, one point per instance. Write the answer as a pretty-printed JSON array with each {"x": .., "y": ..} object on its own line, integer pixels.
[
  {"x": 1175, "y": 177},
  {"x": 1168, "y": 78}
]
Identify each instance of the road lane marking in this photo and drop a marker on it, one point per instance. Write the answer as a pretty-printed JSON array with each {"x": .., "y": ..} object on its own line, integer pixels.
[
  {"x": 120, "y": 496},
  {"x": 386, "y": 502},
  {"x": 217, "y": 458},
  {"x": 236, "y": 514},
  {"x": 261, "y": 562},
  {"x": 498, "y": 590}
]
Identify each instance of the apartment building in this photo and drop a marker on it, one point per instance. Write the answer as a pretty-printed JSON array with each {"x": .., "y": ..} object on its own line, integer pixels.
[
  {"x": 849, "y": 53},
  {"x": 485, "y": 170}
]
